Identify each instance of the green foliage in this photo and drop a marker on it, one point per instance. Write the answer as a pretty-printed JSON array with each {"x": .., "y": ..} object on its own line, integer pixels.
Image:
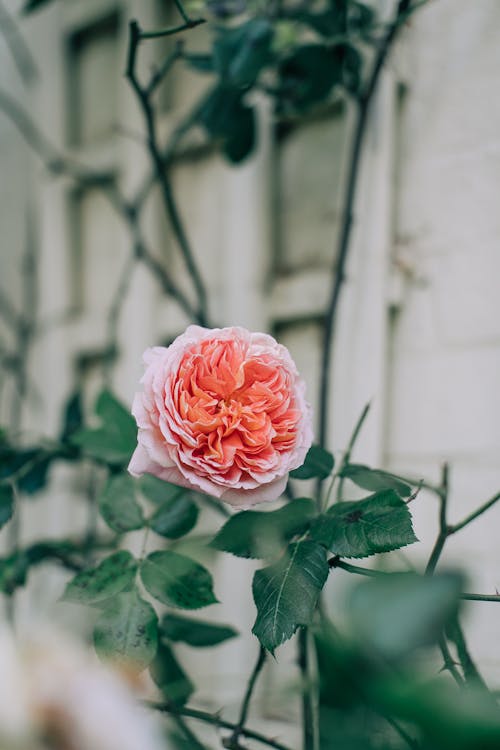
[
  {"x": 6, "y": 504},
  {"x": 261, "y": 534},
  {"x": 177, "y": 580},
  {"x": 158, "y": 491},
  {"x": 33, "y": 5},
  {"x": 375, "y": 479},
  {"x": 127, "y": 631},
  {"x": 227, "y": 119},
  {"x": 379, "y": 523},
  {"x": 170, "y": 677},
  {"x": 400, "y": 612},
  {"x": 118, "y": 505},
  {"x": 113, "y": 575},
  {"x": 116, "y": 438},
  {"x": 286, "y": 593},
  {"x": 240, "y": 53},
  {"x": 195, "y": 632},
  {"x": 175, "y": 517},
  {"x": 15, "y": 567},
  {"x": 318, "y": 464}
]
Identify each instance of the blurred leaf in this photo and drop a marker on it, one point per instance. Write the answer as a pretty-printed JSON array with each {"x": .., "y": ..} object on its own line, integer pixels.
[
  {"x": 318, "y": 464},
  {"x": 195, "y": 632},
  {"x": 6, "y": 504},
  {"x": 261, "y": 534},
  {"x": 158, "y": 491},
  {"x": 33, "y": 5},
  {"x": 73, "y": 416},
  {"x": 29, "y": 465},
  {"x": 116, "y": 439},
  {"x": 177, "y": 580},
  {"x": 308, "y": 74},
  {"x": 118, "y": 505},
  {"x": 400, "y": 612},
  {"x": 176, "y": 517},
  {"x": 379, "y": 523},
  {"x": 110, "y": 577},
  {"x": 203, "y": 63},
  {"x": 241, "y": 52},
  {"x": 286, "y": 593},
  {"x": 13, "y": 572},
  {"x": 375, "y": 479},
  {"x": 126, "y": 631},
  {"x": 169, "y": 676},
  {"x": 227, "y": 119}
]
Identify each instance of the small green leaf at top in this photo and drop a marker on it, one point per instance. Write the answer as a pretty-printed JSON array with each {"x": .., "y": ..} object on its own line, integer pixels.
[
  {"x": 375, "y": 479},
  {"x": 264, "y": 534},
  {"x": 118, "y": 505},
  {"x": 6, "y": 504},
  {"x": 379, "y": 523},
  {"x": 400, "y": 612},
  {"x": 110, "y": 577},
  {"x": 33, "y": 5},
  {"x": 287, "y": 592},
  {"x": 176, "y": 517},
  {"x": 196, "y": 633},
  {"x": 318, "y": 464},
  {"x": 127, "y": 631},
  {"x": 115, "y": 439},
  {"x": 177, "y": 580},
  {"x": 170, "y": 677}
]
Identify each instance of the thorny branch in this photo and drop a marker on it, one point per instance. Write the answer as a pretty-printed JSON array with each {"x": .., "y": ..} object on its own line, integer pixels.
[{"x": 233, "y": 742}]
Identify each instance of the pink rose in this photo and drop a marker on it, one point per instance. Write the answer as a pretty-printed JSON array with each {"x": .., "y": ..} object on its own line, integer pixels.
[{"x": 223, "y": 411}]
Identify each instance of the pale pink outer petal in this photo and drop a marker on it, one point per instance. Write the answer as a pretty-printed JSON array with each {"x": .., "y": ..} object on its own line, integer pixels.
[{"x": 266, "y": 493}]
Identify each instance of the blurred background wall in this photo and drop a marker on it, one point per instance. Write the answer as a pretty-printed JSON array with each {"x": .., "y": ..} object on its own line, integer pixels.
[{"x": 419, "y": 332}]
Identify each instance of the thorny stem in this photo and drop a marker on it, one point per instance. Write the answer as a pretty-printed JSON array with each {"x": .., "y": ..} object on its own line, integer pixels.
[
  {"x": 161, "y": 173},
  {"x": 215, "y": 720},
  {"x": 363, "y": 108},
  {"x": 233, "y": 741}
]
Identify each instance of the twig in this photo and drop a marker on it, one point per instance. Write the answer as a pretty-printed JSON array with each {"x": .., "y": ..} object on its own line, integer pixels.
[
  {"x": 21, "y": 54},
  {"x": 364, "y": 104},
  {"x": 215, "y": 720},
  {"x": 443, "y": 526},
  {"x": 348, "y": 452},
  {"x": 475, "y": 514},
  {"x": 161, "y": 173},
  {"x": 449, "y": 664},
  {"x": 233, "y": 741}
]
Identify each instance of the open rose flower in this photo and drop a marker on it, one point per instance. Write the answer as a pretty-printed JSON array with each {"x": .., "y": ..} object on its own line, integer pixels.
[{"x": 222, "y": 411}]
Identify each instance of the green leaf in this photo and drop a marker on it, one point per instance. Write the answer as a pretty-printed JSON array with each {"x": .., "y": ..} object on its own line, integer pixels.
[
  {"x": 115, "y": 440},
  {"x": 195, "y": 632},
  {"x": 261, "y": 534},
  {"x": 177, "y": 580},
  {"x": 176, "y": 517},
  {"x": 229, "y": 120},
  {"x": 240, "y": 53},
  {"x": 118, "y": 505},
  {"x": 379, "y": 523},
  {"x": 73, "y": 416},
  {"x": 399, "y": 612},
  {"x": 169, "y": 676},
  {"x": 126, "y": 631},
  {"x": 158, "y": 491},
  {"x": 375, "y": 479},
  {"x": 318, "y": 464},
  {"x": 6, "y": 504},
  {"x": 13, "y": 572},
  {"x": 110, "y": 577},
  {"x": 309, "y": 74},
  {"x": 286, "y": 593},
  {"x": 33, "y": 5}
]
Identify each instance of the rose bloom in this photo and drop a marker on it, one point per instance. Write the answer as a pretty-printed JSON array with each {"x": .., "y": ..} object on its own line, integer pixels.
[{"x": 222, "y": 411}]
